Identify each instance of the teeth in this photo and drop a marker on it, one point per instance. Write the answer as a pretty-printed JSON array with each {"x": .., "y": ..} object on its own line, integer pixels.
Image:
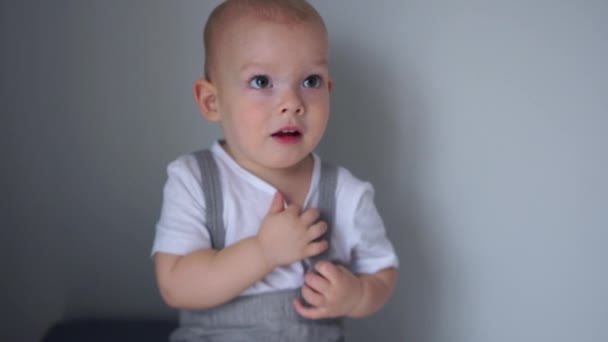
[{"x": 289, "y": 131}]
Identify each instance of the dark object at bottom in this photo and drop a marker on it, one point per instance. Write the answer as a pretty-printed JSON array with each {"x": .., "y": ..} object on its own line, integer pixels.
[{"x": 100, "y": 330}]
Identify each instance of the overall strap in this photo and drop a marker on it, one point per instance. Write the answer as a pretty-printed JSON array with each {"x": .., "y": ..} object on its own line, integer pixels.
[
  {"x": 327, "y": 204},
  {"x": 214, "y": 203}
]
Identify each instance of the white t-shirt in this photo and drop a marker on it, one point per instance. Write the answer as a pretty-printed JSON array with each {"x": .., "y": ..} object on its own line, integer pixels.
[{"x": 358, "y": 235}]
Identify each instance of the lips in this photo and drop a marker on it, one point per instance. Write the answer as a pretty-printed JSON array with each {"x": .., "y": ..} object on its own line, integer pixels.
[{"x": 288, "y": 135}]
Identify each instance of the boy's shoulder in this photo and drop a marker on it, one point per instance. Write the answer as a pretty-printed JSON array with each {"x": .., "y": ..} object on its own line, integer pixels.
[
  {"x": 350, "y": 185},
  {"x": 183, "y": 161},
  {"x": 188, "y": 162},
  {"x": 185, "y": 166}
]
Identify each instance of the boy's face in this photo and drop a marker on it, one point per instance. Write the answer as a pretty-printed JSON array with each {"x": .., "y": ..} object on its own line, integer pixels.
[{"x": 271, "y": 91}]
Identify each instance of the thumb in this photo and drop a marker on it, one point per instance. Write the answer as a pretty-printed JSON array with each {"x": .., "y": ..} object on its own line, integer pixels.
[{"x": 277, "y": 203}]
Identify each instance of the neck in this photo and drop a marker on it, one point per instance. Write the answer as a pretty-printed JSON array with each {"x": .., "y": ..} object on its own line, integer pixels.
[
  {"x": 282, "y": 177},
  {"x": 293, "y": 183}
]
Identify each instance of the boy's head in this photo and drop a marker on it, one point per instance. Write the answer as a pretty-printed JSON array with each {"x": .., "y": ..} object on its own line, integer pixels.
[
  {"x": 288, "y": 12},
  {"x": 266, "y": 80}
]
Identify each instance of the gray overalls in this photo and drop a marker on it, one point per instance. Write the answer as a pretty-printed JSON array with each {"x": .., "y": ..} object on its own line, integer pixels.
[{"x": 267, "y": 317}]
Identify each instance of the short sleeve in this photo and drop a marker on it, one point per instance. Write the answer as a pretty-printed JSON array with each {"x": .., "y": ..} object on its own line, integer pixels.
[
  {"x": 372, "y": 251},
  {"x": 181, "y": 228}
]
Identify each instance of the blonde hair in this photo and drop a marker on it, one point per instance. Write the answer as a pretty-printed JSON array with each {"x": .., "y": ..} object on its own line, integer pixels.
[{"x": 282, "y": 11}]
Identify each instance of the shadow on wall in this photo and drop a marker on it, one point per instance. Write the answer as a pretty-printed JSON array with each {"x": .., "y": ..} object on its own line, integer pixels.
[{"x": 377, "y": 131}]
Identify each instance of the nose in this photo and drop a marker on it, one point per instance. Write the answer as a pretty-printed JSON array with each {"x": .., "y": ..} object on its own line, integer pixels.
[{"x": 291, "y": 103}]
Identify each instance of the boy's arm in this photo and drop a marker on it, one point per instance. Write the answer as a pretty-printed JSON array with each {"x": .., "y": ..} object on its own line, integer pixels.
[
  {"x": 376, "y": 289},
  {"x": 207, "y": 278}
]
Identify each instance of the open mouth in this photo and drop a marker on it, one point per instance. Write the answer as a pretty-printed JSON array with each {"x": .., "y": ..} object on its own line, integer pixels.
[
  {"x": 287, "y": 136},
  {"x": 287, "y": 133}
]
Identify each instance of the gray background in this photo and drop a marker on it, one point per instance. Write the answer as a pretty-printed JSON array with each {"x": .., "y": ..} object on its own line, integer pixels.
[{"x": 482, "y": 125}]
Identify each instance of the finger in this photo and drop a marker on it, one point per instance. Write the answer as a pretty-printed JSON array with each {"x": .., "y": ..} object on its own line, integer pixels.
[
  {"x": 310, "y": 216},
  {"x": 309, "y": 312},
  {"x": 277, "y": 203},
  {"x": 317, "y": 283},
  {"x": 328, "y": 270},
  {"x": 316, "y": 248},
  {"x": 293, "y": 208},
  {"x": 312, "y": 297},
  {"x": 316, "y": 230}
]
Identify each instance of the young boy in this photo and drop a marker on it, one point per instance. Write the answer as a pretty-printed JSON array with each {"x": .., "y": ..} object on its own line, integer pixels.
[{"x": 279, "y": 267}]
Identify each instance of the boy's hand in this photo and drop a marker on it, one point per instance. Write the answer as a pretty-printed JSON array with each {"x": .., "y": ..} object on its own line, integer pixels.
[
  {"x": 287, "y": 235},
  {"x": 333, "y": 292}
]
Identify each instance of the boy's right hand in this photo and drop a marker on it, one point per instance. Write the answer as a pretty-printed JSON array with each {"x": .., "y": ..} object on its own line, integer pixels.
[{"x": 287, "y": 235}]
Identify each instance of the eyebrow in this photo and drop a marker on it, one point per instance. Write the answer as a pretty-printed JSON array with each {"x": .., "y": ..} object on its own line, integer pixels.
[{"x": 254, "y": 65}]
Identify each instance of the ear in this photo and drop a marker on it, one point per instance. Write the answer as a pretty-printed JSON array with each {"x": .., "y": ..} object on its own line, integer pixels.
[{"x": 205, "y": 95}]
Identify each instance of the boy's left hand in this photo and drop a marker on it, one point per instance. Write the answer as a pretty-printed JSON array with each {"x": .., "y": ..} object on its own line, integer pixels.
[{"x": 333, "y": 292}]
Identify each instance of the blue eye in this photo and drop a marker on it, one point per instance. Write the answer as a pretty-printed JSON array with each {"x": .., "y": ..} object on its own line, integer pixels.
[
  {"x": 313, "y": 81},
  {"x": 260, "y": 82}
]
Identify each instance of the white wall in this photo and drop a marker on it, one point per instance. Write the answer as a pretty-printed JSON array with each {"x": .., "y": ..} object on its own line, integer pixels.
[{"x": 482, "y": 125}]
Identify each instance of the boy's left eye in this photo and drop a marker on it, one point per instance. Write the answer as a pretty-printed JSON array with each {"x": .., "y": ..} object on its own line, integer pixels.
[
  {"x": 313, "y": 81},
  {"x": 260, "y": 82}
]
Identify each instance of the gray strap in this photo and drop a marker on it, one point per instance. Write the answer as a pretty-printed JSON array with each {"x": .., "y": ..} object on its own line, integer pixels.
[
  {"x": 327, "y": 204},
  {"x": 214, "y": 203},
  {"x": 327, "y": 211}
]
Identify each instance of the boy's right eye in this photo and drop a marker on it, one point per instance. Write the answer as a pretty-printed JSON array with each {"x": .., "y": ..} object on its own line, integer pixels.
[{"x": 260, "y": 82}]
